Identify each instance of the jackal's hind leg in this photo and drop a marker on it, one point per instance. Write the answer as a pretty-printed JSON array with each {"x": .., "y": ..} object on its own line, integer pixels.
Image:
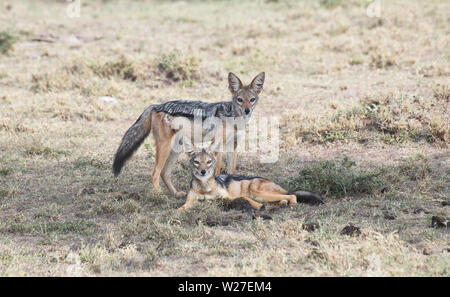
[
  {"x": 273, "y": 197},
  {"x": 163, "y": 148}
]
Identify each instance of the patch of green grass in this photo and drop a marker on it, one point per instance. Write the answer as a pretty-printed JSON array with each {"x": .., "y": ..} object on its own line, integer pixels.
[
  {"x": 355, "y": 61},
  {"x": 442, "y": 93},
  {"x": 175, "y": 67},
  {"x": 50, "y": 212},
  {"x": 46, "y": 227},
  {"x": 106, "y": 208},
  {"x": 88, "y": 77},
  {"x": 44, "y": 215},
  {"x": 130, "y": 206},
  {"x": 16, "y": 228},
  {"x": 48, "y": 152},
  {"x": 159, "y": 231},
  {"x": 5, "y": 171},
  {"x": 84, "y": 162},
  {"x": 47, "y": 239},
  {"x": 330, "y": 3},
  {"x": 339, "y": 178},
  {"x": 7, "y": 40},
  {"x": 415, "y": 168},
  {"x": 122, "y": 68},
  {"x": 5, "y": 192},
  {"x": 382, "y": 61},
  {"x": 188, "y": 83},
  {"x": 79, "y": 226}
]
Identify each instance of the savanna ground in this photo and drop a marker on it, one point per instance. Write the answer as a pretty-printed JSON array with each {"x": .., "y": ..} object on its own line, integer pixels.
[{"x": 364, "y": 110}]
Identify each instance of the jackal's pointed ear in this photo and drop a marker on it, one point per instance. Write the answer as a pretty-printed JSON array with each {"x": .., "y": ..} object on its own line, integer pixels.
[
  {"x": 234, "y": 83},
  {"x": 258, "y": 83},
  {"x": 188, "y": 147}
]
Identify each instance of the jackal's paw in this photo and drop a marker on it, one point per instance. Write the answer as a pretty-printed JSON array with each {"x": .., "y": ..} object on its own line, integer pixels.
[
  {"x": 180, "y": 194},
  {"x": 283, "y": 203}
]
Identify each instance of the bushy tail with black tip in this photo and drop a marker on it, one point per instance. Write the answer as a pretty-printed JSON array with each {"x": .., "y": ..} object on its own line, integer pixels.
[
  {"x": 308, "y": 197},
  {"x": 132, "y": 139}
]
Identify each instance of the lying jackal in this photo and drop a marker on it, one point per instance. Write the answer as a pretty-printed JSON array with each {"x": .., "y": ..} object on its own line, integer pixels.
[
  {"x": 206, "y": 185},
  {"x": 160, "y": 119}
]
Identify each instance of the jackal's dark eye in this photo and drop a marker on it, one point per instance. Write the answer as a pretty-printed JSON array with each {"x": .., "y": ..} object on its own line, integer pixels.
[
  {"x": 209, "y": 162},
  {"x": 196, "y": 163},
  {"x": 239, "y": 99},
  {"x": 252, "y": 100}
]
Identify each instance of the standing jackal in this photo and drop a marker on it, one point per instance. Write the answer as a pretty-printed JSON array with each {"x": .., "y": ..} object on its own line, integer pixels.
[
  {"x": 161, "y": 119},
  {"x": 206, "y": 185}
]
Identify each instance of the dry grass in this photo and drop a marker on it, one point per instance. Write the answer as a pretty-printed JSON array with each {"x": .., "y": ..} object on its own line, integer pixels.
[
  {"x": 386, "y": 119},
  {"x": 373, "y": 89}
]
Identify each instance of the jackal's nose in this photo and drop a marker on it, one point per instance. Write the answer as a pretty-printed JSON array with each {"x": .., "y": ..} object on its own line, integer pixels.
[
  {"x": 203, "y": 172},
  {"x": 247, "y": 110}
]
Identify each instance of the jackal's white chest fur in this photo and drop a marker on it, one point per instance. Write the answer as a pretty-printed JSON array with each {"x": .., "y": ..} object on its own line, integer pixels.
[{"x": 209, "y": 190}]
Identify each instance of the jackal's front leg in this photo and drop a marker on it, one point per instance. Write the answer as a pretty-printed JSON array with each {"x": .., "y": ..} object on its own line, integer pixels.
[{"x": 191, "y": 199}]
